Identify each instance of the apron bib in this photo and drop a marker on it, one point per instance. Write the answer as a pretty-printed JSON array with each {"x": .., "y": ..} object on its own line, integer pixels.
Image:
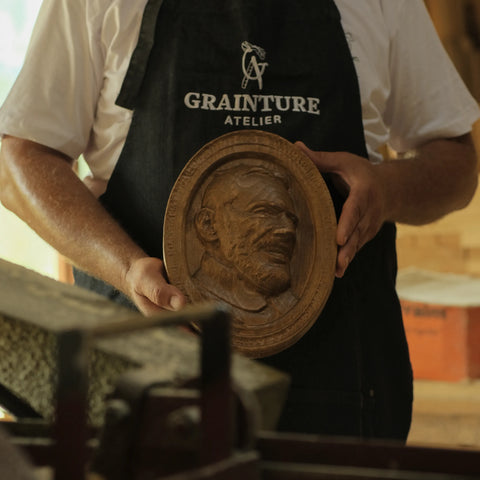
[{"x": 203, "y": 68}]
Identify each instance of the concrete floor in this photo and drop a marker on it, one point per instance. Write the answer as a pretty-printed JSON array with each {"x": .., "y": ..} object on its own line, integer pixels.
[{"x": 446, "y": 414}]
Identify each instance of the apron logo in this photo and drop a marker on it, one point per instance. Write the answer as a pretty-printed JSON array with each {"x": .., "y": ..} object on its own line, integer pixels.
[
  {"x": 254, "y": 70},
  {"x": 252, "y": 109}
]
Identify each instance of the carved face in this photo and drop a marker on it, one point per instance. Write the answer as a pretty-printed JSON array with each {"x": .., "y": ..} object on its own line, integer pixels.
[{"x": 256, "y": 233}]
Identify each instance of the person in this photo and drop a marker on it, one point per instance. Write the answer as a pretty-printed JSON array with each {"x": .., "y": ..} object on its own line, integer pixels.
[
  {"x": 248, "y": 266},
  {"x": 139, "y": 86}
]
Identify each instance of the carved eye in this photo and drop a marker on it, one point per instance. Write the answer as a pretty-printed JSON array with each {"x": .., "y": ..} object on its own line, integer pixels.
[
  {"x": 266, "y": 210},
  {"x": 269, "y": 210},
  {"x": 293, "y": 218}
]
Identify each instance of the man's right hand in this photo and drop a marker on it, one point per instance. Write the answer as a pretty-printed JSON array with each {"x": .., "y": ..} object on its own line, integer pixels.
[
  {"x": 38, "y": 184},
  {"x": 147, "y": 287}
]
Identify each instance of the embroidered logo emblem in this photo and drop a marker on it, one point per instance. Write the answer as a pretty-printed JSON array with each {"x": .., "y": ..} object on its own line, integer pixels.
[{"x": 252, "y": 68}]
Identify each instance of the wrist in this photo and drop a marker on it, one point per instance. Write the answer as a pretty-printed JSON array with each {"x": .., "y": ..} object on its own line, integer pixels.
[
  {"x": 388, "y": 184},
  {"x": 129, "y": 272}
]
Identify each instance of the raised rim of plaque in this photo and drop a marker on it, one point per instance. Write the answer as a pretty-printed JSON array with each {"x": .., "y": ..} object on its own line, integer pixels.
[{"x": 263, "y": 323}]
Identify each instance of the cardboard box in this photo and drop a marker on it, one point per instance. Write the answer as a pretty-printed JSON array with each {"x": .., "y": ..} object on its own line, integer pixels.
[{"x": 442, "y": 322}]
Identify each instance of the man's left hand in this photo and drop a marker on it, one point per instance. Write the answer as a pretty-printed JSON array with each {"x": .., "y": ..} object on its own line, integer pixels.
[
  {"x": 437, "y": 178},
  {"x": 363, "y": 213}
]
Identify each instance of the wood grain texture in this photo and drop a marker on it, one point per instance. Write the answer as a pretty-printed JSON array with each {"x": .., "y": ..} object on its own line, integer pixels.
[{"x": 250, "y": 222}]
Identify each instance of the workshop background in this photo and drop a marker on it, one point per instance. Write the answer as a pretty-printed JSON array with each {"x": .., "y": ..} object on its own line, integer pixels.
[{"x": 439, "y": 276}]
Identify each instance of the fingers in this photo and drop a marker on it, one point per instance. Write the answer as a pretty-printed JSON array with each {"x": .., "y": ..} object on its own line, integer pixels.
[
  {"x": 346, "y": 253},
  {"x": 363, "y": 211},
  {"x": 163, "y": 300},
  {"x": 149, "y": 288},
  {"x": 153, "y": 296},
  {"x": 348, "y": 236},
  {"x": 359, "y": 222}
]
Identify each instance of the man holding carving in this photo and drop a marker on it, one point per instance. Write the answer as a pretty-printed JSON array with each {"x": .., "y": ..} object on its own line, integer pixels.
[{"x": 138, "y": 95}]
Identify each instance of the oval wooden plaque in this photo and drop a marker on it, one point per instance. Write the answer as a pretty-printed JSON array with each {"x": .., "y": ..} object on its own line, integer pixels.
[{"x": 250, "y": 222}]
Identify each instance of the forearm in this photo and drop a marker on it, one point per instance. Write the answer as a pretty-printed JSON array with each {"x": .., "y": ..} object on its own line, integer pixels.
[
  {"x": 39, "y": 185},
  {"x": 439, "y": 178}
]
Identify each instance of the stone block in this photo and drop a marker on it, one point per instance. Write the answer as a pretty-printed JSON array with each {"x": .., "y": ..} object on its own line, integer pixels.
[{"x": 33, "y": 309}]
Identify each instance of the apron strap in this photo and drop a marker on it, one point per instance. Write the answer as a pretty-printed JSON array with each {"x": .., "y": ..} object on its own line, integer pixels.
[{"x": 138, "y": 63}]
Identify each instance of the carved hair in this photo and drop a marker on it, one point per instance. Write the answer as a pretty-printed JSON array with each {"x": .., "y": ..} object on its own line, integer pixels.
[{"x": 231, "y": 180}]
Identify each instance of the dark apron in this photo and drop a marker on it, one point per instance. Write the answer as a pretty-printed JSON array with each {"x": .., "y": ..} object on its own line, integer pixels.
[{"x": 203, "y": 68}]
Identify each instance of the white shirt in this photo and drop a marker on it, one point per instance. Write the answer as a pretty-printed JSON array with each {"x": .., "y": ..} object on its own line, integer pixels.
[{"x": 80, "y": 50}]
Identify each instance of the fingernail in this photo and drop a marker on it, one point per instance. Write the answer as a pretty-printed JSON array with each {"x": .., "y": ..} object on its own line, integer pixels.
[
  {"x": 347, "y": 262},
  {"x": 175, "y": 303}
]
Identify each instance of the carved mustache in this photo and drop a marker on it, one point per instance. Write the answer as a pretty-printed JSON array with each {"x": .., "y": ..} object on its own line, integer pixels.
[{"x": 281, "y": 243}]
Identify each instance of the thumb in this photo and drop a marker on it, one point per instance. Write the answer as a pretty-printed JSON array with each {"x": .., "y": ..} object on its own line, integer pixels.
[
  {"x": 162, "y": 294},
  {"x": 154, "y": 298},
  {"x": 149, "y": 287}
]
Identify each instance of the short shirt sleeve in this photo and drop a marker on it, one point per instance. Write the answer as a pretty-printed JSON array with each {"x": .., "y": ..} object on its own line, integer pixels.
[
  {"x": 428, "y": 98},
  {"x": 54, "y": 98}
]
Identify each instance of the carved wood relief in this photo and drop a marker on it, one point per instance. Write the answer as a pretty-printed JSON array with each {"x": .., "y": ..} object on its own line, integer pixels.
[{"x": 250, "y": 223}]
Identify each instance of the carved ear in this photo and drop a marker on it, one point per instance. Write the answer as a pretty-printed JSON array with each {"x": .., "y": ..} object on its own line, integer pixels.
[{"x": 204, "y": 222}]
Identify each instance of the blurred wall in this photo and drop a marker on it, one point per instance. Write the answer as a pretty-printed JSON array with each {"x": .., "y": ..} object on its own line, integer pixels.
[{"x": 451, "y": 244}]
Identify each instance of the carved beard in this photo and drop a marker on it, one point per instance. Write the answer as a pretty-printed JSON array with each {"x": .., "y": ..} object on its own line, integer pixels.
[
  {"x": 261, "y": 257},
  {"x": 264, "y": 276},
  {"x": 271, "y": 280}
]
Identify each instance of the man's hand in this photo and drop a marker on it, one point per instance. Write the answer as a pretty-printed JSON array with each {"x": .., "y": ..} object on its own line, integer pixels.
[
  {"x": 147, "y": 287},
  {"x": 363, "y": 213},
  {"x": 39, "y": 185},
  {"x": 439, "y": 177}
]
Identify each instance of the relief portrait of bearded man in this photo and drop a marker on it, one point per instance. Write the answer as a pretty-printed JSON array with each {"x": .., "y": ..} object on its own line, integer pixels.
[{"x": 247, "y": 226}]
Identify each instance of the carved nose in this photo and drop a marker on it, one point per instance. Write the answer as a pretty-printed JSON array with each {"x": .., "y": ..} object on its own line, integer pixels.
[
  {"x": 288, "y": 222},
  {"x": 285, "y": 235}
]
